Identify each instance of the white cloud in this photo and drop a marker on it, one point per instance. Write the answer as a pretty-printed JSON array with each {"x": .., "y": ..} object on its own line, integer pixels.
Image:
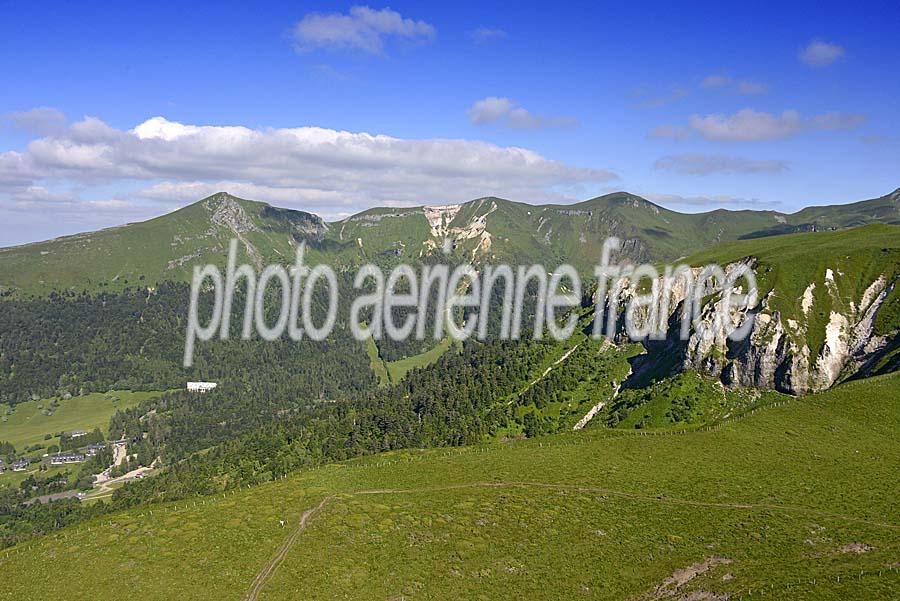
[
  {"x": 710, "y": 202},
  {"x": 704, "y": 164},
  {"x": 712, "y": 82},
  {"x": 715, "y": 81},
  {"x": 32, "y": 195},
  {"x": 180, "y": 192},
  {"x": 674, "y": 132},
  {"x": 508, "y": 113},
  {"x": 821, "y": 54},
  {"x": 748, "y": 125},
  {"x": 113, "y": 204},
  {"x": 41, "y": 120},
  {"x": 313, "y": 168},
  {"x": 363, "y": 28},
  {"x": 484, "y": 34},
  {"x": 490, "y": 109}
]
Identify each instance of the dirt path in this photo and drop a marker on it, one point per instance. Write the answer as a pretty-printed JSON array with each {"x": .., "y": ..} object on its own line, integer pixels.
[{"x": 270, "y": 566}]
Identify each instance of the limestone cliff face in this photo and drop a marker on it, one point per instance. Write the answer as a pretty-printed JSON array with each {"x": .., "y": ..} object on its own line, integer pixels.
[{"x": 776, "y": 354}]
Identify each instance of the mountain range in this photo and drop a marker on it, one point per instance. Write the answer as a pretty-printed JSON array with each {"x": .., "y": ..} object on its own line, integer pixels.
[
  {"x": 829, "y": 306},
  {"x": 485, "y": 229}
]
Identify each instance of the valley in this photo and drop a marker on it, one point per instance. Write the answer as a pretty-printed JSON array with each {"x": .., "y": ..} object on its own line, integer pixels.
[{"x": 591, "y": 467}]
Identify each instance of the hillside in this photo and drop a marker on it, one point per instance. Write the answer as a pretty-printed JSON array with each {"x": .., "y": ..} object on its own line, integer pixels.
[
  {"x": 828, "y": 309},
  {"x": 486, "y": 229},
  {"x": 794, "y": 501}
]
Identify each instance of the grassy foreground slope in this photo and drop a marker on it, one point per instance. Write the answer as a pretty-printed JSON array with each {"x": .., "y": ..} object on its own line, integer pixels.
[{"x": 796, "y": 501}]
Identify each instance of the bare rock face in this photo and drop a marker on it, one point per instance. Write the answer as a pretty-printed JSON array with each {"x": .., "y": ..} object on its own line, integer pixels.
[
  {"x": 226, "y": 212},
  {"x": 776, "y": 354},
  {"x": 311, "y": 228}
]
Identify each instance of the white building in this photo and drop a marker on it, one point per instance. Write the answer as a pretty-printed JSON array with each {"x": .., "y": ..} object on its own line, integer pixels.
[
  {"x": 64, "y": 458},
  {"x": 201, "y": 386}
]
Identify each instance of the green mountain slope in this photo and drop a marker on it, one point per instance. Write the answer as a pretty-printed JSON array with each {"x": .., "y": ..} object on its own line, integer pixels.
[
  {"x": 794, "y": 501},
  {"x": 486, "y": 229},
  {"x": 164, "y": 248},
  {"x": 790, "y": 265}
]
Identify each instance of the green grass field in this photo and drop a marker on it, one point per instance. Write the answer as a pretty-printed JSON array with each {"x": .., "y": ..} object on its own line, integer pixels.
[
  {"x": 389, "y": 372},
  {"x": 397, "y": 370},
  {"x": 376, "y": 362},
  {"x": 796, "y": 500},
  {"x": 26, "y": 423},
  {"x": 11, "y": 478}
]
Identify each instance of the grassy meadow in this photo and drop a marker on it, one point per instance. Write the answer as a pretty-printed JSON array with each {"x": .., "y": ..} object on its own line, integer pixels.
[
  {"x": 795, "y": 500},
  {"x": 26, "y": 424},
  {"x": 398, "y": 369},
  {"x": 389, "y": 372}
]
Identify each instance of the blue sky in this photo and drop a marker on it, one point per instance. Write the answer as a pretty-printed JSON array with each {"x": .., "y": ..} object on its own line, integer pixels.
[{"x": 696, "y": 107}]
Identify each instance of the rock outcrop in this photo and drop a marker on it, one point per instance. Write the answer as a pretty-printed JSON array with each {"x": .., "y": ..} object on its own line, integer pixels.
[{"x": 776, "y": 354}]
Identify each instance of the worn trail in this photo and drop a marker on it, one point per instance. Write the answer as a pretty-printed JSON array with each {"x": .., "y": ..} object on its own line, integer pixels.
[{"x": 270, "y": 566}]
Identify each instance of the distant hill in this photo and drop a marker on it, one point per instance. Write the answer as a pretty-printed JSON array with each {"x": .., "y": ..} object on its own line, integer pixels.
[{"x": 485, "y": 229}]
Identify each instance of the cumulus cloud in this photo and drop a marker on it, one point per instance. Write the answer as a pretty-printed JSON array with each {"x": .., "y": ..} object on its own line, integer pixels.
[
  {"x": 490, "y": 109},
  {"x": 748, "y": 125},
  {"x": 485, "y": 34},
  {"x": 508, "y": 113},
  {"x": 39, "y": 195},
  {"x": 673, "y": 132},
  {"x": 317, "y": 169},
  {"x": 363, "y": 28},
  {"x": 710, "y": 202},
  {"x": 41, "y": 120},
  {"x": 705, "y": 164},
  {"x": 821, "y": 54}
]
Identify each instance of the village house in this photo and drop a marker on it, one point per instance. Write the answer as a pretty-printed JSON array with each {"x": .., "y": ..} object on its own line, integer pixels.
[
  {"x": 19, "y": 465},
  {"x": 201, "y": 386},
  {"x": 64, "y": 458},
  {"x": 92, "y": 449}
]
